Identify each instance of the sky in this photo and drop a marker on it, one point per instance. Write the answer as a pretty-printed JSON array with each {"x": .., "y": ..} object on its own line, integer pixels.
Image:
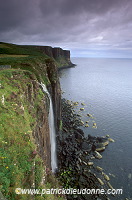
[{"x": 88, "y": 28}]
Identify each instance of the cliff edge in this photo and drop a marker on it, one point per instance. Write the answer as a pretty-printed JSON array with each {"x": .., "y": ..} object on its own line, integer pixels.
[
  {"x": 25, "y": 153},
  {"x": 62, "y": 57}
]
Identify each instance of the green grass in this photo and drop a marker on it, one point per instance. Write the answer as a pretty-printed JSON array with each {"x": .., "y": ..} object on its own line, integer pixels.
[
  {"x": 12, "y": 56},
  {"x": 15, "y": 132},
  {"x": 26, "y": 58},
  {"x": 6, "y": 48},
  {"x": 17, "y": 122}
]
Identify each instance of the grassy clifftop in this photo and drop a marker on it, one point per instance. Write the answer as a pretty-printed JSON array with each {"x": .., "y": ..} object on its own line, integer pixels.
[
  {"x": 25, "y": 58},
  {"x": 24, "y": 114}
]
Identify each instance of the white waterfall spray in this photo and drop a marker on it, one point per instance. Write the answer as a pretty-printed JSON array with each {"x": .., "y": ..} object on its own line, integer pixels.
[{"x": 52, "y": 132}]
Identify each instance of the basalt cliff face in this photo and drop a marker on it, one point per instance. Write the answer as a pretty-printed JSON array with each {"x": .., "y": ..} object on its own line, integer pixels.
[
  {"x": 41, "y": 129},
  {"x": 25, "y": 109},
  {"x": 60, "y": 55},
  {"x": 55, "y": 90}
]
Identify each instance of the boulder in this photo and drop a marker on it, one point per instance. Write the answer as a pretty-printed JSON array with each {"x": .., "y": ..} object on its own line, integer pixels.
[
  {"x": 107, "y": 136},
  {"x": 86, "y": 125},
  {"x": 100, "y": 149},
  {"x": 102, "y": 139},
  {"x": 100, "y": 181},
  {"x": 82, "y": 122},
  {"x": 99, "y": 168},
  {"x": 109, "y": 185},
  {"x": 84, "y": 163},
  {"x": 97, "y": 155},
  {"x": 91, "y": 139},
  {"x": 94, "y": 125},
  {"x": 89, "y": 115},
  {"x": 106, "y": 177},
  {"x": 86, "y": 146},
  {"x": 105, "y": 143},
  {"x": 75, "y": 103},
  {"x": 111, "y": 140},
  {"x": 90, "y": 163},
  {"x": 98, "y": 145}
]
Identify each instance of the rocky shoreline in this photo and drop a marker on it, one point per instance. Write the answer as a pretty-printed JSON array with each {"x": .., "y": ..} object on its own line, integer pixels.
[{"x": 76, "y": 154}]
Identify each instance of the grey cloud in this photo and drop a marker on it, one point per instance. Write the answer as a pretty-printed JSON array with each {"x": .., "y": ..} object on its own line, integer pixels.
[
  {"x": 89, "y": 24},
  {"x": 14, "y": 13},
  {"x": 71, "y": 7}
]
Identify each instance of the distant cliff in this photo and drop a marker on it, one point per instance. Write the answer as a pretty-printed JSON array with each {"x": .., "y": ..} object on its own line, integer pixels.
[{"x": 62, "y": 57}]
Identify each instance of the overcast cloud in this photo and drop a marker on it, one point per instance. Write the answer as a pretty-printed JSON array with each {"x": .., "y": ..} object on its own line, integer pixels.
[{"x": 86, "y": 27}]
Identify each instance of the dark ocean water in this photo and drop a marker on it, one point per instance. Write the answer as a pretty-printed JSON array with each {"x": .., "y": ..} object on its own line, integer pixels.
[{"x": 105, "y": 86}]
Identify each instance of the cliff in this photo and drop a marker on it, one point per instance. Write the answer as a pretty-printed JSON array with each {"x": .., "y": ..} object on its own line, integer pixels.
[
  {"x": 62, "y": 57},
  {"x": 25, "y": 140}
]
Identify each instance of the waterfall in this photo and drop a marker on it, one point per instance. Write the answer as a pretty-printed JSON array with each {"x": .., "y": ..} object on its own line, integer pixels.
[{"x": 52, "y": 132}]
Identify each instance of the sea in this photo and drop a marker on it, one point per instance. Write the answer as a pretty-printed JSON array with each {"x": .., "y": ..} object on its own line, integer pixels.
[{"x": 104, "y": 87}]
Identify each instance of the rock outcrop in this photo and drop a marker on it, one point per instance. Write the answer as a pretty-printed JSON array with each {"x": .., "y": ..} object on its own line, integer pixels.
[{"x": 57, "y": 53}]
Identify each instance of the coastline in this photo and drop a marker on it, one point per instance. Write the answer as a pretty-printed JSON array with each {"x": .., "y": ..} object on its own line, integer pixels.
[
  {"x": 66, "y": 66},
  {"x": 76, "y": 154}
]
